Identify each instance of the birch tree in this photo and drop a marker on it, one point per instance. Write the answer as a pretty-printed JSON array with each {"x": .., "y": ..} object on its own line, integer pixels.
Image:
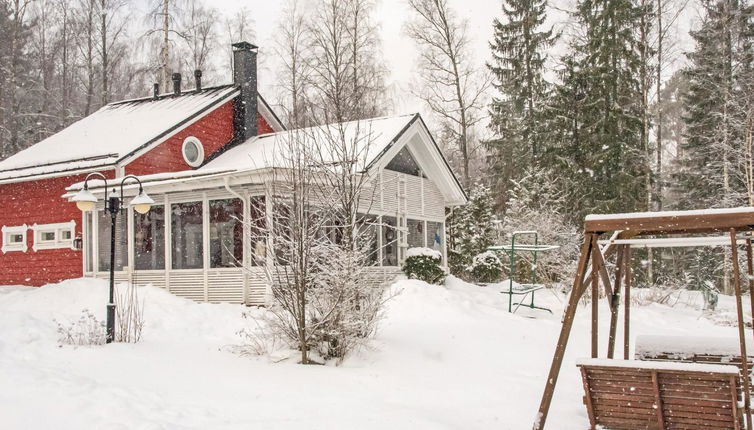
[
  {"x": 347, "y": 79},
  {"x": 450, "y": 85},
  {"x": 294, "y": 72}
]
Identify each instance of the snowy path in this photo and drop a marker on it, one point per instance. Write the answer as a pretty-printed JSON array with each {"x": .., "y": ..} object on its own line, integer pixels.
[{"x": 445, "y": 358}]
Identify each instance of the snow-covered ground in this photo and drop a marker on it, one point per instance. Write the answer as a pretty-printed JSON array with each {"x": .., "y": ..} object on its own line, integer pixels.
[{"x": 445, "y": 357}]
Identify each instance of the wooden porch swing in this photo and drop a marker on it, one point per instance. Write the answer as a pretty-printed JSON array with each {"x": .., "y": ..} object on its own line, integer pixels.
[{"x": 701, "y": 395}]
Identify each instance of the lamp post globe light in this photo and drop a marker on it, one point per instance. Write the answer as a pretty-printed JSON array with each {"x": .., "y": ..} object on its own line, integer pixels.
[{"x": 87, "y": 202}]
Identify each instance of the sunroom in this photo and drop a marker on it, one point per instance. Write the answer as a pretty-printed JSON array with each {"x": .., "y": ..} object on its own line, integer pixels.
[{"x": 195, "y": 243}]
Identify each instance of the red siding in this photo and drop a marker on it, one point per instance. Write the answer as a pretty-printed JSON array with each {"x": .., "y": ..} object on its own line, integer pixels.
[
  {"x": 263, "y": 126},
  {"x": 39, "y": 202},
  {"x": 214, "y": 131}
]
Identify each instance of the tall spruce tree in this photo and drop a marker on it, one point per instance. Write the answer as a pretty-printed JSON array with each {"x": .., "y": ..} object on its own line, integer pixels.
[
  {"x": 707, "y": 171},
  {"x": 517, "y": 66},
  {"x": 596, "y": 126}
]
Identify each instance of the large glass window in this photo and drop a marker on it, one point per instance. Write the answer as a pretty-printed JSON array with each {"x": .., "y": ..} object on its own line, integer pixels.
[
  {"x": 188, "y": 237},
  {"x": 415, "y": 237},
  {"x": 258, "y": 233},
  {"x": 389, "y": 241},
  {"x": 404, "y": 162},
  {"x": 104, "y": 222},
  {"x": 149, "y": 239},
  {"x": 435, "y": 236},
  {"x": 226, "y": 233}
]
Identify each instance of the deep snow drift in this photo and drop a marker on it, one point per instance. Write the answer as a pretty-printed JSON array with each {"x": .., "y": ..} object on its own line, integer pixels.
[{"x": 446, "y": 357}]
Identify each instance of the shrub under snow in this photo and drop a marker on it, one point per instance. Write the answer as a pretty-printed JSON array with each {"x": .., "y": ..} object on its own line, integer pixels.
[
  {"x": 424, "y": 264},
  {"x": 87, "y": 330},
  {"x": 486, "y": 267}
]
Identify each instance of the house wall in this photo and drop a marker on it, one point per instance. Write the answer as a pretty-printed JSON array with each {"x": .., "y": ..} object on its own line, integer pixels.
[
  {"x": 395, "y": 194},
  {"x": 214, "y": 130},
  {"x": 40, "y": 202}
]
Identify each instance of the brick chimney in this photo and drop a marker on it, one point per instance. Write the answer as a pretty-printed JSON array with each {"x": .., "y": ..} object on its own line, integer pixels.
[{"x": 245, "y": 77}]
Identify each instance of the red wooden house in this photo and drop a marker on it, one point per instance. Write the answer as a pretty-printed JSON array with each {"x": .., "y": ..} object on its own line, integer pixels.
[
  {"x": 141, "y": 136},
  {"x": 206, "y": 157}
]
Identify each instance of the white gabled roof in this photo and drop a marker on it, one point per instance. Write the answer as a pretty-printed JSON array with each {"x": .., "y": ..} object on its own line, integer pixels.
[
  {"x": 373, "y": 141},
  {"x": 367, "y": 138},
  {"x": 113, "y": 132}
]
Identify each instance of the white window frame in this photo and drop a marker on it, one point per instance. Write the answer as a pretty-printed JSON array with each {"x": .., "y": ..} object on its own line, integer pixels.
[
  {"x": 200, "y": 150},
  {"x": 13, "y": 230},
  {"x": 58, "y": 229}
]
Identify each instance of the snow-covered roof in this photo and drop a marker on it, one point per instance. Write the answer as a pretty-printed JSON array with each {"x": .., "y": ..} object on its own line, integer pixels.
[
  {"x": 113, "y": 132},
  {"x": 370, "y": 141},
  {"x": 367, "y": 138}
]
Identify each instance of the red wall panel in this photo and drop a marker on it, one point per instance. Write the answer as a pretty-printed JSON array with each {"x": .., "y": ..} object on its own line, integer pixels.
[
  {"x": 263, "y": 126},
  {"x": 39, "y": 202},
  {"x": 214, "y": 131}
]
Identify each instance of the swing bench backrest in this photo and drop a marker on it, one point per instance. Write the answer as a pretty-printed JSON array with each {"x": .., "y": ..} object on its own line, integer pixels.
[{"x": 634, "y": 395}]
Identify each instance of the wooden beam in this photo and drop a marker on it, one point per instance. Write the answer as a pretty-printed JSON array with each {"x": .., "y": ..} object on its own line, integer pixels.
[
  {"x": 750, "y": 273},
  {"x": 588, "y": 399},
  {"x": 658, "y": 400},
  {"x": 626, "y": 301},
  {"x": 565, "y": 332},
  {"x": 615, "y": 301},
  {"x": 595, "y": 297},
  {"x": 681, "y": 221},
  {"x": 741, "y": 327}
]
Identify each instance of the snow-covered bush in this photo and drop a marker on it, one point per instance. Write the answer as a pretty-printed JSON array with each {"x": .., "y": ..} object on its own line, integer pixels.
[
  {"x": 87, "y": 330},
  {"x": 536, "y": 203},
  {"x": 486, "y": 267},
  {"x": 259, "y": 338},
  {"x": 424, "y": 264},
  {"x": 324, "y": 300}
]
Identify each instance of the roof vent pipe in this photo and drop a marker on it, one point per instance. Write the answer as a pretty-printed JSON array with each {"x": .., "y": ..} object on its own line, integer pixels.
[
  {"x": 156, "y": 91},
  {"x": 176, "y": 84},
  {"x": 198, "y": 79}
]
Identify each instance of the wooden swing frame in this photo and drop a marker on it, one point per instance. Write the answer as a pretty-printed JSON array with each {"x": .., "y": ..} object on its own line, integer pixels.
[{"x": 681, "y": 228}]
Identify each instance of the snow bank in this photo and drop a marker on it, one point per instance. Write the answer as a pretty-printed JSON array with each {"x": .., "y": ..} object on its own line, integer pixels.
[{"x": 445, "y": 357}]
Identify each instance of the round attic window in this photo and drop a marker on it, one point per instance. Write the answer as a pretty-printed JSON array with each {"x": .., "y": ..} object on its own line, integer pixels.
[{"x": 193, "y": 151}]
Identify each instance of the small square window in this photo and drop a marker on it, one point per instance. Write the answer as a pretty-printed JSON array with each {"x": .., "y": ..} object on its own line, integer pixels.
[
  {"x": 14, "y": 238},
  {"x": 65, "y": 235},
  {"x": 47, "y": 236}
]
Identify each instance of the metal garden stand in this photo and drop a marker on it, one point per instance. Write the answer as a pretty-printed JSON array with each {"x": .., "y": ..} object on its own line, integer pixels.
[{"x": 523, "y": 289}]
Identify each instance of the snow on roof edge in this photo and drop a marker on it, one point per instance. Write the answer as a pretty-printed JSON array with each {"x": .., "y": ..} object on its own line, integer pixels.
[
  {"x": 659, "y": 365},
  {"x": 604, "y": 217}
]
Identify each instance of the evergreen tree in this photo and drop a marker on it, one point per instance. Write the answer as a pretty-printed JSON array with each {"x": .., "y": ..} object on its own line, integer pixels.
[
  {"x": 518, "y": 61},
  {"x": 470, "y": 230},
  {"x": 714, "y": 130},
  {"x": 597, "y": 112}
]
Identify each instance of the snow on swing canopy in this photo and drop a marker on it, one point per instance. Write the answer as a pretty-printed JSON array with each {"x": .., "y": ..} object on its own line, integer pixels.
[{"x": 673, "y": 222}]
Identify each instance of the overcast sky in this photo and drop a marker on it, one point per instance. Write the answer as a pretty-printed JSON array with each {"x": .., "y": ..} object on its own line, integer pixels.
[{"x": 398, "y": 50}]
